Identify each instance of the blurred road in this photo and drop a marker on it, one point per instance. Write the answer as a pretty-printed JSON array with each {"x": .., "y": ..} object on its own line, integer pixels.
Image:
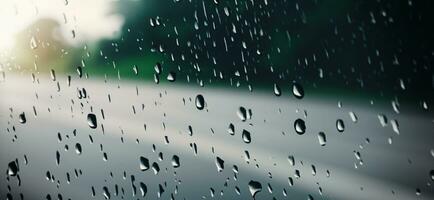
[{"x": 383, "y": 171}]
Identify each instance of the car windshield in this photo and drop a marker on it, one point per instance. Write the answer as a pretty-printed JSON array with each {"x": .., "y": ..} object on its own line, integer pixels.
[{"x": 216, "y": 99}]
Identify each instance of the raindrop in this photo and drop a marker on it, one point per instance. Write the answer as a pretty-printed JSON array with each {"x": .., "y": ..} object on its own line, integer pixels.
[
  {"x": 91, "y": 120},
  {"x": 157, "y": 68},
  {"x": 171, "y": 77},
  {"x": 144, "y": 163},
  {"x": 242, "y": 113},
  {"x": 322, "y": 138},
  {"x": 277, "y": 90},
  {"x": 12, "y": 168},
  {"x": 33, "y": 43},
  {"x": 353, "y": 116},
  {"x": 155, "y": 168},
  {"x": 57, "y": 158},
  {"x": 105, "y": 192},
  {"x": 246, "y": 136},
  {"x": 431, "y": 173},
  {"x": 78, "y": 148},
  {"x": 175, "y": 161},
  {"x": 143, "y": 189},
  {"x": 254, "y": 187},
  {"x": 22, "y": 118},
  {"x": 298, "y": 91},
  {"x": 200, "y": 102},
  {"x": 231, "y": 129},
  {"x": 340, "y": 126},
  {"x": 299, "y": 126},
  {"x": 220, "y": 164}
]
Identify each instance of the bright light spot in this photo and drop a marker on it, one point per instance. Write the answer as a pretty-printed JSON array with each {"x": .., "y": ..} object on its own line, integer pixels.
[{"x": 91, "y": 20}]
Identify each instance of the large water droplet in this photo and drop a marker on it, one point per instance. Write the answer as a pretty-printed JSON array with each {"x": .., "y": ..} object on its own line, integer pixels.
[
  {"x": 12, "y": 168},
  {"x": 143, "y": 189},
  {"x": 340, "y": 126},
  {"x": 78, "y": 148},
  {"x": 175, "y": 161},
  {"x": 22, "y": 118},
  {"x": 298, "y": 91},
  {"x": 144, "y": 163},
  {"x": 105, "y": 192},
  {"x": 220, "y": 163},
  {"x": 299, "y": 126},
  {"x": 200, "y": 102},
  {"x": 254, "y": 187},
  {"x": 91, "y": 120},
  {"x": 155, "y": 168},
  {"x": 242, "y": 113},
  {"x": 246, "y": 136},
  {"x": 322, "y": 138}
]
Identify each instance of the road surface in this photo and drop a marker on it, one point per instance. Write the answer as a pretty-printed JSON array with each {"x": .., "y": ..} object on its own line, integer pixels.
[{"x": 365, "y": 161}]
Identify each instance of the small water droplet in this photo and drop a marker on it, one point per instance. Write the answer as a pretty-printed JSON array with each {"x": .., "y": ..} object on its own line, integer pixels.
[
  {"x": 246, "y": 136},
  {"x": 175, "y": 161},
  {"x": 322, "y": 138},
  {"x": 299, "y": 126},
  {"x": 171, "y": 77},
  {"x": 340, "y": 126},
  {"x": 277, "y": 90},
  {"x": 298, "y": 91},
  {"x": 91, "y": 120},
  {"x": 200, "y": 102},
  {"x": 220, "y": 163}
]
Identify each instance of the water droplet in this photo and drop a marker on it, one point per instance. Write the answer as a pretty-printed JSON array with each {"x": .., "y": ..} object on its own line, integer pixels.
[
  {"x": 395, "y": 126},
  {"x": 105, "y": 192},
  {"x": 246, "y": 136},
  {"x": 431, "y": 173},
  {"x": 12, "y": 168},
  {"x": 155, "y": 168},
  {"x": 340, "y": 126},
  {"x": 175, "y": 161},
  {"x": 231, "y": 129},
  {"x": 383, "y": 120},
  {"x": 22, "y": 118},
  {"x": 277, "y": 90},
  {"x": 91, "y": 120},
  {"x": 299, "y": 126},
  {"x": 322, "y": 138},
  {"x": 291, "y": 160},
  {"x": 353, "y": 116},
  {"x": 254, "y": 187},
  {"x": 298, "y": 91},
  {"x": 143, "y": 189},
  {"x": 171, "y": 77},
  {"x": 78, "y": 148},
  {"x": 57, "y": 158},
  {"x": 220, "y": 164},
  {"x": 242, "y": 113},
  {"x": 158, "y": 68},
  {"x": 200, "y": 102},
  {"x": 144, "y": 163},
  {"x": 33, "y": 43}
]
